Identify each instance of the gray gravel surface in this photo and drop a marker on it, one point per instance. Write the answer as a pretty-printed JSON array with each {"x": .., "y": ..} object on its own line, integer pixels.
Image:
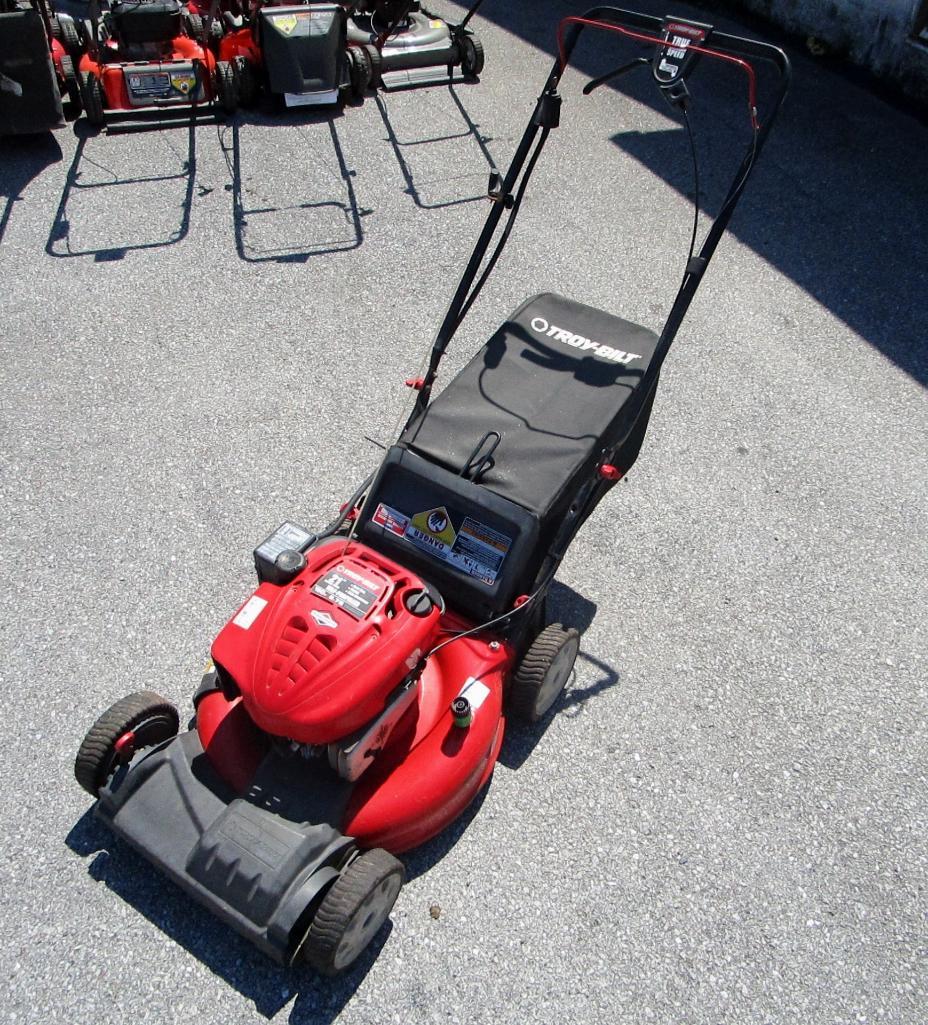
[{"x": 725, "y": 820}]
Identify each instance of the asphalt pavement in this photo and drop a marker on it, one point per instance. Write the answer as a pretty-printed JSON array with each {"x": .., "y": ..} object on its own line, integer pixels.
[{"x": 205, "y": 332}]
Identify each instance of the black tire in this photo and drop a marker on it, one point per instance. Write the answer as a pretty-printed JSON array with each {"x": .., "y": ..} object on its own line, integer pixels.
[
  {"x": 247, "y": 82},
  {"x": 472, "y": 56},
  {"x": 376, "y": 63},
  {"x": 352, "y": 912},
  {"x": 359, "y": 71},
  {"x": 194, "y": 25},
  {"x": 92, "y": 98},
  {"x": 65, "y": 31},
  {"x": 72, "y": 87},
  {"x": 543, "y": 672},
  {"x": 153, "y": 720},
  {"x": 226, "y": 87}
]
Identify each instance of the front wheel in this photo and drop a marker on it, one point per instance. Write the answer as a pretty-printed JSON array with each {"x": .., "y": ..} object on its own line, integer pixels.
[
  {"x": 352, "y": 912},
  {"x": 136, "y": 721}
]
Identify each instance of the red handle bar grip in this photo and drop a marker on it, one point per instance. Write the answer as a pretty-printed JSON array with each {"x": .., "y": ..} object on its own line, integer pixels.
[{"x": 657, "y": 41}]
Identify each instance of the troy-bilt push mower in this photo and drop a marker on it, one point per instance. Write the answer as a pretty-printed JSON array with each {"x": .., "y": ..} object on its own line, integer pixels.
[
  {"x": 410, "y": 45},
  {"x": 297, "y": 52},
  {"x": 358, "y": 698},
  {"x": 149, "y": 57},
  {"x": 37, "y": 74}
]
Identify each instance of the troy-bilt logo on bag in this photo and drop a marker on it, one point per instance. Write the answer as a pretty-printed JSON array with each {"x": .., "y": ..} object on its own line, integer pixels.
[
  {"x": 671, "y": 60},
  {"x": 560, "y": 334}
]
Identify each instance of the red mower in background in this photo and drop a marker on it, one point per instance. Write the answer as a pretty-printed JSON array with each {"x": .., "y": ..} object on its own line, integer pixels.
[
  {"x": 357, "y": 700},
  {"x": 151, "y": 57},
  {"x": 38, "y": 80}
]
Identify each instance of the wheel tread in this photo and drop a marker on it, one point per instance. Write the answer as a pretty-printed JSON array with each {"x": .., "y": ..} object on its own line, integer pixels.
[
  {"x": 529, "y": 676},
  {"x": 341, "y": 902},
  {"x": 94, "y": 752}
]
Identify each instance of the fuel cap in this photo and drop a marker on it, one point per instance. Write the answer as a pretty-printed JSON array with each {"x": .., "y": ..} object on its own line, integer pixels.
[{"x": 290, "y": 561}]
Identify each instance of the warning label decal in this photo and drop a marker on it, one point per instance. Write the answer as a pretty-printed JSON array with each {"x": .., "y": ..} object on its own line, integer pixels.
[
  {"x": 480, "y": 550},
  {"x": 432, "y": 529},
  {"x": 390, "y": 520},
  {"x": 349, "y": 590},
  {"x": 474, "y": 548}
]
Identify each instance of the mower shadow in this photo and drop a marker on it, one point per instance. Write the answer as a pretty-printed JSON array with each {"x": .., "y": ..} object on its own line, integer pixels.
[
  {"x": 471, "y": 130},
  {"x": 59, "y": 238},
  {"x": 316, "y": 1000},
  {"x": 22, "y": 158},
  {"x": 347, "y": 211}
]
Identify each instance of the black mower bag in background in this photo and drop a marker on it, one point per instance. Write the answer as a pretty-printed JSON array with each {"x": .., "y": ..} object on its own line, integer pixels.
[
  {"x": 304, "y": 48},
  {"x": 29, "y": 96}
]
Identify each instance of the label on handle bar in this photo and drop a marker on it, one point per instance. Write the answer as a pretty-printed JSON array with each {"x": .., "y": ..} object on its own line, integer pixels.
[{"x": 675, "y": 58}]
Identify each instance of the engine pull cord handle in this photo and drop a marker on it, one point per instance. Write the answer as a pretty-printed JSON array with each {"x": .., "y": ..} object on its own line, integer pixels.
[{"x": 644, "y": 37}]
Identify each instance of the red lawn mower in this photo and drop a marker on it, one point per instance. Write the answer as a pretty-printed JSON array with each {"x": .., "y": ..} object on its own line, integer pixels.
[
  {"x": 150, "y": 56},
  {"x": 37, "y": 75},
  {"x": 357, "y": 700}
]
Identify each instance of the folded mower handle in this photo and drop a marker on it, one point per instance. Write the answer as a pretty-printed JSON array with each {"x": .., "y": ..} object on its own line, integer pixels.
[{"x": 673, "y": 40}]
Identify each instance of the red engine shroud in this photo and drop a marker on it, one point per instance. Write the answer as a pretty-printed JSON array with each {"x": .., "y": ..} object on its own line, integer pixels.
[
  {"x": 316, "y": 659},
  {"x": 430, "y": 770}
]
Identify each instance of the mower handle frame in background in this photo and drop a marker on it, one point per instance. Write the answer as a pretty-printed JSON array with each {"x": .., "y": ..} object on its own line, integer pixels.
[{"x": 507, "y": 192}]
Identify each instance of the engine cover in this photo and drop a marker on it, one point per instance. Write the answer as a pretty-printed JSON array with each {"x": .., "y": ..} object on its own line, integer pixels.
[{"x": 317, "y": 658}]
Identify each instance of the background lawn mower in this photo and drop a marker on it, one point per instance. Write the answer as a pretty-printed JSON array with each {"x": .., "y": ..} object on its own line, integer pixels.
[
  {"x": 298, "y": 52},
  {"x": 150, "y": 56},
  {"x": 37, "y": 74},
  {"x": 411, "y": 46},
  {"x": 357, "y": 700}
]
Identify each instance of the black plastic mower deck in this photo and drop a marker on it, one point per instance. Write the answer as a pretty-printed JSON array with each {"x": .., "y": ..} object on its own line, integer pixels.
[{"x": 256, "y": 861}]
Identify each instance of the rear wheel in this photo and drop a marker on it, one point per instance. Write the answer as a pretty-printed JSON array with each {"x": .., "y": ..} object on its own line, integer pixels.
[
  {"x": 194, "y": 25},
  {"x": 226, "y": 87},
  {"x": 134, "y": 722},
  {"x": 359, "y": 71},
  {"x": 65, "y": 31},
  {"x": 472, "y": 56},
  {"x": 352, "y": 912},
  {"x": 72, "y": 87},
  {"x": 543, "y": 672},
  {"x": 92, "y": 97},
  {"x": 247, "y": 83},
  {"x": 376, "y": 63}
]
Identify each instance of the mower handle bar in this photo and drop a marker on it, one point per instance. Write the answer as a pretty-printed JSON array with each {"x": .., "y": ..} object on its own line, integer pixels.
[
  {"x": 644, "y": 28},
  {"x": 632, "y": 24}
]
